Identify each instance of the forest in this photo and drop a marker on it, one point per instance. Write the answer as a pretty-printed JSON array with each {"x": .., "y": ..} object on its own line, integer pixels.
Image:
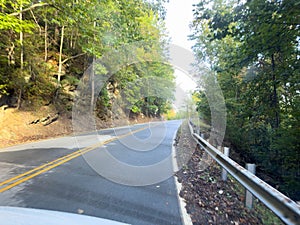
[
  {"x": 45, "y": 47},
  {"x": 253, "y": 47}
]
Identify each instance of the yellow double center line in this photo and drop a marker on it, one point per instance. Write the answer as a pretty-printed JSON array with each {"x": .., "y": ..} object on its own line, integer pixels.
[{"x": 14, "y": 181}]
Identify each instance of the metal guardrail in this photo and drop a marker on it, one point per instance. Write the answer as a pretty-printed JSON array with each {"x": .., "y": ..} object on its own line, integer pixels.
[{"x": 286, "y": 209}]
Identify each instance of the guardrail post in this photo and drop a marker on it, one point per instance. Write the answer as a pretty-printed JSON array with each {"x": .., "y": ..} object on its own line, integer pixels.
[
  {"x": 224, "y": 172},
  {"x": 249, "y": 197},
  {"x": 285, "y": 208}
]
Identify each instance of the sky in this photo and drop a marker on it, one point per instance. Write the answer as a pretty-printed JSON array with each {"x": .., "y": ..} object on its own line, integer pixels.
[{"x": 179, "y": 16}]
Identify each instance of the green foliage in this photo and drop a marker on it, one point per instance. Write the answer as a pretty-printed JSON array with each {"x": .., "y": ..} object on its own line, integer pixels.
[
  {"x": 11, "y": 22},
  {"x": 254, "y": 49},
  {"x": 202, "y": 106},
  {"x": 91, "y": 29},
  {"x": 148, "y": 89}
]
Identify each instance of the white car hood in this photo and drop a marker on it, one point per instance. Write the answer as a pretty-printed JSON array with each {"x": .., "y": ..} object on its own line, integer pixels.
[{"x": 28, "y": 216}]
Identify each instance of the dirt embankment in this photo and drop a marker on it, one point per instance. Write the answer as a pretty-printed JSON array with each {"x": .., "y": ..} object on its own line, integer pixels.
[{"x": 17, "y": 126}]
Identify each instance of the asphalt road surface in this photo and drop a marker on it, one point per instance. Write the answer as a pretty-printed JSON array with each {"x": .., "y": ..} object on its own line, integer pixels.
[{"x": 63, "y": 174}]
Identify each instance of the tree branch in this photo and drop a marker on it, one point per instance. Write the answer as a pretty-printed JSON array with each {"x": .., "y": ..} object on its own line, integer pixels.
[
  {"x": 29, "y": 8},
  {"x": 35, "y": 20},
  {"x": 72, "y": 57}
]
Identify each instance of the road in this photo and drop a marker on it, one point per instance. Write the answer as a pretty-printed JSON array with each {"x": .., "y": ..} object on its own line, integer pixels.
[{"x": 59, "y": 174}]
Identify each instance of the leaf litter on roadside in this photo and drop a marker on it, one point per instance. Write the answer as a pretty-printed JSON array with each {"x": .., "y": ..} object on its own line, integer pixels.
[{"x": 209, "y": 200}]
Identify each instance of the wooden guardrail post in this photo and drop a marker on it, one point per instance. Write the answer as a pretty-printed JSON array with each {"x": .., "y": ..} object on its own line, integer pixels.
[
  {"x": 249, "y": 197},
  {"x": 224, "y": 172}
]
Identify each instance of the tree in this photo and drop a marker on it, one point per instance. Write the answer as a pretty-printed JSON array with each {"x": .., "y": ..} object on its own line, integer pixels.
[
  {"x": 253, "y": 47},
  {"x": 46, "y": 47}
]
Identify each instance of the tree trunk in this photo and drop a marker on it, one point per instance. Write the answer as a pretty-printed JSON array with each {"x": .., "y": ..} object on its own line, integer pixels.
[
  {"x": 21, "y": 44},
  {"x": 275, "y": 103},
  {"x": 21, "y": 60},
  {"x": 92, "y": 86},
  {"x": 46, "y": 41},
  {"x": 19, "y": 102},
  {"x": 56, "y": 30},
  {"x": 75, "y": 39},
  {"x": 92, "y": 79},
  {"x": 60, "y": 56},
  {"x": 59, "y": 72},
  {"x": 71, "y": 40},
  {"x": 36, "y": 22},
  {"x": 10, "y": 54}
]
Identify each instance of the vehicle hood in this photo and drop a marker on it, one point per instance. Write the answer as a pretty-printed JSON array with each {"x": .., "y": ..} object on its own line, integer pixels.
[{"x": 28, "y": 216}]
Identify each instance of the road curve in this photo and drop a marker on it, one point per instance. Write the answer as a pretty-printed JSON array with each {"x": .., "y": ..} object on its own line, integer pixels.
[{"x": 62, "y": 174}]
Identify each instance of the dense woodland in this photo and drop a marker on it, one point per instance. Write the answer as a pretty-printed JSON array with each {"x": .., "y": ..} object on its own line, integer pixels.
[
  {"x": 253, "y": 49},
  {"x": 45, "y": 47}
]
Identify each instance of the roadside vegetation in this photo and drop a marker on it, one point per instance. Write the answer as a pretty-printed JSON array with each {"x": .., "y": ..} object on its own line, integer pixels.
[
  {"x": 209, "y": 199},
  {"x": 45, "y": 47},
  {"x": 252, "y": 48}
]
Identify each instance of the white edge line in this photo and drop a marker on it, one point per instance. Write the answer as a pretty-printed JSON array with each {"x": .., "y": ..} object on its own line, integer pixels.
[{"x": 185, "y": 217}]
